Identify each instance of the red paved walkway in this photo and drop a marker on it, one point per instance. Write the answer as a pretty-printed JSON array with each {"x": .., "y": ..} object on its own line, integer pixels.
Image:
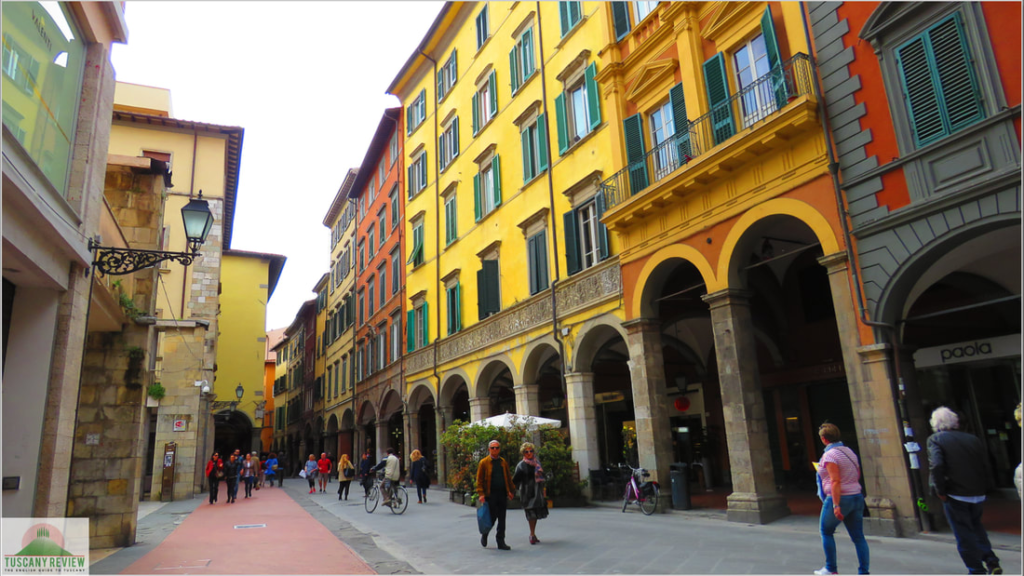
[{"x": 292, "y": 542}]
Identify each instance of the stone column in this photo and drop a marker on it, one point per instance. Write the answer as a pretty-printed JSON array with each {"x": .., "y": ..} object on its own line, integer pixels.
[
  {"x": 528, "y": 399},
  {"x": 647, "y": 372},
  {"x": 754, "y": 498},
  {"x": 441, "y": 417},
  {"x": 478, "y": 409},
  {"x": 382, "y": 438},
  {"x": 412, "y": 433},
  {"x": 583, "y": 422}
]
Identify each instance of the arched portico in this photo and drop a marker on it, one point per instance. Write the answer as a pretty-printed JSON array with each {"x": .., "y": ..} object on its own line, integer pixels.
[{"x": 494, "y": 389}]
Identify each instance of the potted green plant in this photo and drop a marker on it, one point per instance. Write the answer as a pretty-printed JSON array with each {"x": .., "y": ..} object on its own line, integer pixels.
[{"x": 154, "y": 393}]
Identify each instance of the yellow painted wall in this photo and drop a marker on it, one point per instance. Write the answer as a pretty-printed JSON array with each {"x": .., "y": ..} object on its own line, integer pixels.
[
  {"x": 241, "y": 352},
  {"x": 142, "y": 99}
]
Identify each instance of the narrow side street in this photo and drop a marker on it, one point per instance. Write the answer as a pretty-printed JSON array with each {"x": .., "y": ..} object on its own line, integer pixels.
[{"x": 318, "y": 534}]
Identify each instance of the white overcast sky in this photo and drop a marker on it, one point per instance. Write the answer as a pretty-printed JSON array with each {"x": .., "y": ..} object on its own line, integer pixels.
[{"x": 305, "y": 79}]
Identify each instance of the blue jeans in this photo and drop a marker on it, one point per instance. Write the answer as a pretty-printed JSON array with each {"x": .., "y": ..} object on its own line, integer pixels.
[
  {"x": 852, "y": 507},
  {"x": 971, "y": 539}
]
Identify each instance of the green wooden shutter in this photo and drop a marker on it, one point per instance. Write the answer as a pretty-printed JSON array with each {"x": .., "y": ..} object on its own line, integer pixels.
[
  {"x": 440, "y": 83},
  {"x": 493, "y": 89},
  {"x": 458, "y": 307},
  {"x": 408, "y": 118},
  {"x": 513, "y": 68},
  {"x": 476, "y": 113},
  {"x": 602, "y": 230},
  {"x": 920, "y": 92},
  {"x": 620, "y": 15},
  {"x": 528, "y": 57},
  {"x": 593, "y": 96},
  {"x": 454, "y": 67},
  {"x": 572, "y": 251},
  {"x": 493, "y": 288},
  {"x": 562, "y": 124},
  {"x": 531, "y": 258},
  {"x": 717, "y": 85},
  {"x": 423, "y": 171},
  {"x": 542, "y": 143},
  {"x": 961, "y": 97},
  {"x": 426, "y": 325},
  {"x": 541, "y": 247},
  {"x": 563, "y": 16},
  {"x": 635, "y": 154},
  {"x": 449, "y": 297},
  {"x": 681, "y": 122},
  {"x": 455, "y": 137},
  {"x": 527, "y": 165},
  {"x": 496, "y": 169},
  {"x": 771, "y": 46},
  {"x": 478, "y": 204},
  {"x": 410, "y": 331},
  {"x": 481, "y": 293}
]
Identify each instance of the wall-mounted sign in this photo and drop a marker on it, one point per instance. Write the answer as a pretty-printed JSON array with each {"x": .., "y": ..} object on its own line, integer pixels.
[
  {"x": 181, "y": 425},
  {"x": 606, "y": 397},
  {"x": 981, "y": 349}
]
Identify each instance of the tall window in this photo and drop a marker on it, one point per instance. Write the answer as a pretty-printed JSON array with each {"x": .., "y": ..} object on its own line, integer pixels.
[
  {"x": 362, "y": 256},
  {"x": 416, "y": 257},
  {"x": 488, "y": 288},
  {"x": 381, "y": 173},
  {"x": 381, "y": 219},
  {"x": 451, "y": 231},
  {"x": 569, "y": 15},
  {"x": 537, "y": 258},
  {"x": 751, "y": 62},
  {"x": 662, "y": 129},
  {"x": 447, "y": 76},
  {"x": 417, "y": 174},
  {"x": 396, "y": 337},
  {"x": 642, "y": 9},
  {"x": 577, "y": 109},
  {"x": 448, "y": 143},
  {"x": 372, "y": 296},
  {"x": 454, "y": 305},
  {"x": 396, "y": 262},
  {"x": 534, "y": 138},
  {"x": 371, "y": 244},
  {"x": 485, "y": 102},
  {"x": 586, "y": 238},
  {"x": 588, "y": 235},
  {"x": 521, "y": 59},
  {"x": 393, "y": 150},
  {"x": 482, "y": 29},
  {"x": 382, "y": 283},
  {"x": 394, "y": 207},
  {"x": 344, "y": 372},
  {"x": 416, "y": 113},
  {"x": 942, "y": 94},
  {"x": 361, "y": 302},
  {"x": 487, "y": 188}
]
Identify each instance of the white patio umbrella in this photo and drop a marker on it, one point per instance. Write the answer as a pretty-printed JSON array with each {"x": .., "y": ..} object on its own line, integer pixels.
[{"x": 505, "y": 421}]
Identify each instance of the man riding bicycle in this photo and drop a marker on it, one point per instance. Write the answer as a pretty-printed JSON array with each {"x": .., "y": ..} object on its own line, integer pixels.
[{"x": 391, "y": 472}]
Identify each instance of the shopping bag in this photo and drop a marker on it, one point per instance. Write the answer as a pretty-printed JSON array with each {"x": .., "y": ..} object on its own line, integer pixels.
[
  {"x": 302, "y": 473},
  {"x": 483, "y": 518}
]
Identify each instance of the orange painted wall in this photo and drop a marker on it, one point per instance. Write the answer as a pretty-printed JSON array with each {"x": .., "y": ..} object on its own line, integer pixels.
[
  {"x": 267, "y": 434},
  {"x": 1004, "y": 30}
]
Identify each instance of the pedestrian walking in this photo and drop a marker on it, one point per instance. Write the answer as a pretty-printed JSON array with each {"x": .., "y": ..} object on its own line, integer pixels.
[
  {"x": 247, "y": 473},
  {"x": 231, "y": 475},
  {"x": 323, "y": 470},
  {"x": 214, "y": 474},
  {"x": 420, "y": 474},
  {"x": 960, "y": 476},
  {"x": 842, "y": 499},
  {"x": 365, "y": 466},
  {"x": 282, "y": 468},
  {"x": 233, "y": 487},
  {"x": 259, "y": 469},
  {"x": 346, "y": 472},
  {"x": 494, "y": 488},
  {"x": 529, "y": 479},
  {"x": 270, "y": 469},
  {"x": 310, "y": 472}
]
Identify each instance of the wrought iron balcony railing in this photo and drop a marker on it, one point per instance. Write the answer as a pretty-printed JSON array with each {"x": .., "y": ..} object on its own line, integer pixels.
[{"x": 759, "y": 101}]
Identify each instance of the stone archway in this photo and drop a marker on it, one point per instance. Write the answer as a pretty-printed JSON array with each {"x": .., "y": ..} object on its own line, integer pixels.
[{"x": 495, "y": 389}]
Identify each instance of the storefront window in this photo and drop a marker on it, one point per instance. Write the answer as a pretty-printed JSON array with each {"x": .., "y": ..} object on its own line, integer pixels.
[{"x": 43, "y": 54}]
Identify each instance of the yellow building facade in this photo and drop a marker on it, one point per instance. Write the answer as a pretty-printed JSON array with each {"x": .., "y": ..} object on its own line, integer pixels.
[
  {"x": 339, "y": 333},
  {"x": 247, "y": 283},
  {"x": 510, "y": 275}
]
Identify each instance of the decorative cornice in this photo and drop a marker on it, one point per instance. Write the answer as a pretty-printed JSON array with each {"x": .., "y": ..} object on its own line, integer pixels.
[
  {"x": 530, "y": 220},
  {"x": 528, "y": 113},
  {"x": 575, "y": 66}
]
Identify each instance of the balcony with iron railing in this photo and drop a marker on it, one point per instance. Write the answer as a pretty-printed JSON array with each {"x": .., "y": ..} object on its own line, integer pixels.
[{"x": 773, "y": 109}]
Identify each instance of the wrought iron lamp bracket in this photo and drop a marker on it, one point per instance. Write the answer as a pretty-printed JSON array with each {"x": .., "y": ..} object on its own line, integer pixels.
[{"x": 118, "y": 261}]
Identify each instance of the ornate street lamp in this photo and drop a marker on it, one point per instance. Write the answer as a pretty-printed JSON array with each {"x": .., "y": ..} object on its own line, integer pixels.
[
  {"x": 117, "y": 261},
  {"x": 239, "y": 392}
]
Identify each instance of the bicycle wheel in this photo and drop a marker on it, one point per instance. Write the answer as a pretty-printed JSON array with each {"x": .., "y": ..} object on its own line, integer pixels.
[
  {"x": 399, "y": 501},
  {"x": 649, "y": 503},
  {"x": 625, "y": 499},
  {"x": 371, "y": 500}
]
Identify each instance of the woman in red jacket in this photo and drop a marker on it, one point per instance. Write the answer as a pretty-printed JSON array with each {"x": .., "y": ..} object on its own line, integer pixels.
[{"x": 214, "y": 473}]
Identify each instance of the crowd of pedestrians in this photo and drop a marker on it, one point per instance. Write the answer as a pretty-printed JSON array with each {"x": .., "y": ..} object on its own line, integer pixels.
[{"x": 249, "y": 471}]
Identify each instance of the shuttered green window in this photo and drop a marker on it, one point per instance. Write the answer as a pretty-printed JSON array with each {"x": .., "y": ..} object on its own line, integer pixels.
[
  {"x": 482, "y": 29},
  {"x": 569, "y": 14},
  {"x": 620, "y": 17},
  {"x": 521, "y": 60},
  {"x": 488, "y": 291},
  {"x": 451, "y": 232},
  {"x": 586, "y": 238},
  {"x": 416, "y": 256},
  {"x": 454, "y": 303},
  {"x": 717, "y": 85},
  {"x": 682, "y": 123},
  {"x": 771, "y": 46},
  {"x": 635, "y": 153},
  {"x": 537, "y": 255},
  {"x": 424, "y": 324},
  {"x": 534, "y": 138},
  {"x": 940, "y": 87},
  {"x": 410, "y": 331}
]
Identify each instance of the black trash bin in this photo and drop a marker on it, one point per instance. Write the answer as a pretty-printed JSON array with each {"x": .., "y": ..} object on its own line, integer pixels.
[{"x": 680, "y": 486}]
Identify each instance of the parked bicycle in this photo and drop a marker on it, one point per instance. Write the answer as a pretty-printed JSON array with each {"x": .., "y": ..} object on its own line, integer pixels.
[
  {"x": 399, "y": 498},
  {"x": 641, "y": 491}
]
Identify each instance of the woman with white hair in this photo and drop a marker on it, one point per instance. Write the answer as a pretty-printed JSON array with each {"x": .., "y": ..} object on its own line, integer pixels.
[{"x": 960, "y": 475}]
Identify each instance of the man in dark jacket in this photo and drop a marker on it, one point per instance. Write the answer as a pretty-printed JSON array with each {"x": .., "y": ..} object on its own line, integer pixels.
[
  {"x": 495, "y": 488},
  {"x": 960, "y": 476}
]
